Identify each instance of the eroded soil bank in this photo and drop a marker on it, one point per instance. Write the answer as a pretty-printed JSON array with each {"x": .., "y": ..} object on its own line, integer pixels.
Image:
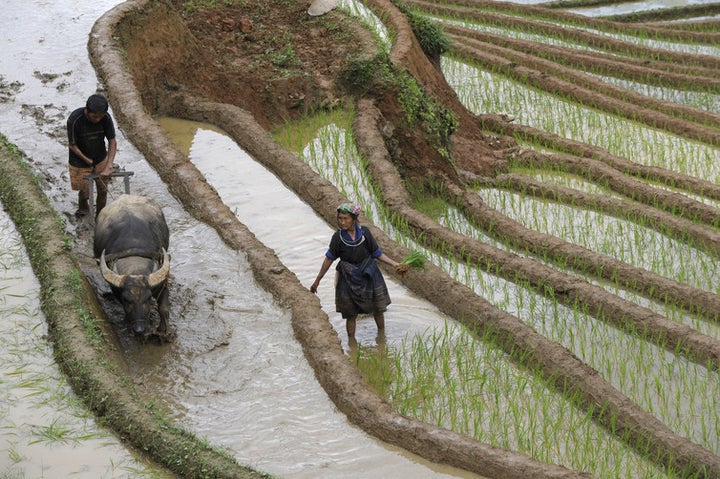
[
  {"x": 164, "y": 88},
  {"x": 320, "y": 342}
]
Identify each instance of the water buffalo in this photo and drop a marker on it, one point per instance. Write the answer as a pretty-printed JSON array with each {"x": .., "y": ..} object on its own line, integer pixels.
[{"x": 131, "y": 242}]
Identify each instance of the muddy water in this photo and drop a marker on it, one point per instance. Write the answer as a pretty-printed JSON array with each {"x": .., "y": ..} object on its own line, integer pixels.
[
  {"x": 234, "y": 373},
  {"x": 46, "y": 424},
  {"x": 283, "y": 222}
]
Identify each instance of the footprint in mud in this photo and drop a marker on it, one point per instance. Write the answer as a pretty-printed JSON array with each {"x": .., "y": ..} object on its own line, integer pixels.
[
  {"x": 50, "y": 123},
  {"x": 8, "y": 90},
  {"x": 48, "y": 77}
]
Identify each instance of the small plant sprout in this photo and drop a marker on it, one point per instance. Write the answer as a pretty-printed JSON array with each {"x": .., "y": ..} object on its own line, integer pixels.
[{"x": 415, "y": 260}]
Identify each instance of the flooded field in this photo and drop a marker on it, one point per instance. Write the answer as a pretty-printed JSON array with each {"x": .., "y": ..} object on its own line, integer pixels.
[{"x": 234, "y": 373}]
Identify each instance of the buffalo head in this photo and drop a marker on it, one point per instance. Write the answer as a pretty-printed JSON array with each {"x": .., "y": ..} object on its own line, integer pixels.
[{"x": 136, "y": 292}]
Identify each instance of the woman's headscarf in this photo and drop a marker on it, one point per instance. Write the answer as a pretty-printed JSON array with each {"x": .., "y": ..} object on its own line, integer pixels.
[{"x": 352, "y": 210}]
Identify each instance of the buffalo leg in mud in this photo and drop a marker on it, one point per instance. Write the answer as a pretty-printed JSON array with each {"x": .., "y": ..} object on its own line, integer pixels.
[{"x": 163, "y": 303}]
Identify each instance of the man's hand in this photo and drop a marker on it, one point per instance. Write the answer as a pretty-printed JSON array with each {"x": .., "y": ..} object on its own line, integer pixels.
[{"x": 108, "y": 168}]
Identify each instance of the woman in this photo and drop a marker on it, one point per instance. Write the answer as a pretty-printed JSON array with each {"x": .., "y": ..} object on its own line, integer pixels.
[{"x": 360, "y": 285}]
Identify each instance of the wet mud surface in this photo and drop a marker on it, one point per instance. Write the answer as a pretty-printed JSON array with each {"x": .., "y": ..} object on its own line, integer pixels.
[{"x": 141, "y": 80}]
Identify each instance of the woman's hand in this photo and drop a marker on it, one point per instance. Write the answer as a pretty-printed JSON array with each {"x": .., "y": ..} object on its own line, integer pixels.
[
  {"x": 314, "y": 287},
  {"x": 401, "y": 268}
]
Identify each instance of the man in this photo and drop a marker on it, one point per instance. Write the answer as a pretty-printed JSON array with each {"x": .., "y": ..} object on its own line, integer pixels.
[{"x": 87, "y": 129}]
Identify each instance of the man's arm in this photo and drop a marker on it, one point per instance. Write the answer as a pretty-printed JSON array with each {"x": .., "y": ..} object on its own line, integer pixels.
[{"x": 80, "y": 154}]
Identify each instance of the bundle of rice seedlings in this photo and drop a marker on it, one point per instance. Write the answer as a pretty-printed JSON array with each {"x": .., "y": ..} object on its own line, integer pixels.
[{"x": 415, "y": 260}]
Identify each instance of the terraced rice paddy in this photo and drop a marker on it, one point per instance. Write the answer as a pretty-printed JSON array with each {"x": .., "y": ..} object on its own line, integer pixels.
[{"x": 584, "y": 297}]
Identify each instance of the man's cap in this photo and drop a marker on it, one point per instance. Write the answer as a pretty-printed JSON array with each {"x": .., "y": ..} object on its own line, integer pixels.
[{"x": 97, "y": 104}]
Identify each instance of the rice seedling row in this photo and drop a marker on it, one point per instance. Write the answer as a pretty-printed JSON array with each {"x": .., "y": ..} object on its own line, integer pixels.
[
  {"x": 547, "y": 113},
  {"x": 465, "y": 276}
]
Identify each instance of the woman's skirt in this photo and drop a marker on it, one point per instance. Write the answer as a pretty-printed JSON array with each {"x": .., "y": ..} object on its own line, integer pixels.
[{"x": 360, "y": 289}]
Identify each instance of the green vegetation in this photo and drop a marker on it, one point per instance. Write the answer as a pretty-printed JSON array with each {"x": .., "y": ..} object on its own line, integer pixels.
[
  {"x": 377, "y": 76},
  {"x": 363, "y": 75},
  {"x": 459, "y": 381},
  {"x": 283, "y": 55},
  {"x": 302, "y": 133},
  {"x": 415, "y": 260},
  {"x": 430, "y": 35},
  {"x": 427, "y": 112}
]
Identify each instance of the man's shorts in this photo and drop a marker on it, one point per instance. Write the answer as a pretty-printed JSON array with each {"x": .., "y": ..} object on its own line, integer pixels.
[{"x": 78, "y": 183}]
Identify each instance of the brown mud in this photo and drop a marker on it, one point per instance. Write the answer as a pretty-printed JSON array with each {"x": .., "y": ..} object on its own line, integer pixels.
[
  {"x": 85, "y": 345},
  {"x": 213, "y": 67}
]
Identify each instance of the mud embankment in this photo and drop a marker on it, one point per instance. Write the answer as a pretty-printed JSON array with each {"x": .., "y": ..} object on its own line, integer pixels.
[{"x": 322, "y": 348}]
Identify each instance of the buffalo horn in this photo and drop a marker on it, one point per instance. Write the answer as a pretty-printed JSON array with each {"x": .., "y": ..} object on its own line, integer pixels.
[
  {"x": 157, "y": 277},
  {"x": 110, "y": 276}
]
